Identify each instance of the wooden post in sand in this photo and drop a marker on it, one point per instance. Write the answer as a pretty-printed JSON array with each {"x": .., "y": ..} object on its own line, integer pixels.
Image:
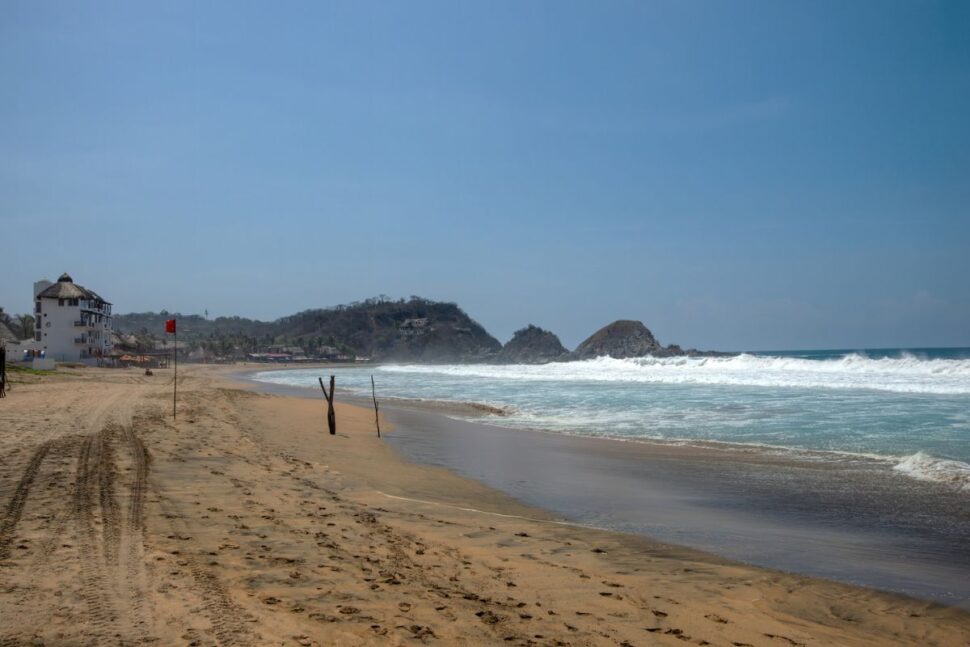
[
  {"x": 377, "y": 414},
  {"x": 170, "y": 327},
  {"x": 175, "y": 381},
  {"x": 331, "y": 416},
  {"x": 3, "y": 374}
]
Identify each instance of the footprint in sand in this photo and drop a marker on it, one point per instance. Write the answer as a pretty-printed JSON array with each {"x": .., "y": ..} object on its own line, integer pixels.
[
  {"x": 488, "y": 617},
  {"x": 323, "y": 617}
]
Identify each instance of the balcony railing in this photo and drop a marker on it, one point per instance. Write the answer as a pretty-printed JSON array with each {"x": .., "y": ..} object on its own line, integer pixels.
[
  {"x": 80, "y": 340},
  {"x": 81, "y": 324}
]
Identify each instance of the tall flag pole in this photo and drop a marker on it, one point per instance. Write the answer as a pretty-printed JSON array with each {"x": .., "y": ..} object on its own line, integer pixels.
[{"x": 171, "y": 328}]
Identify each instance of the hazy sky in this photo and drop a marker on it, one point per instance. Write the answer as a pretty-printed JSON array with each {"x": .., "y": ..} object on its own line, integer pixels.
[{"x": 738, "y": 175}]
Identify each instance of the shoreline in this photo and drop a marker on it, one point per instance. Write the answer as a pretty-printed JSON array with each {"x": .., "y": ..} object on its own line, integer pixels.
[
  {"x": 919, "y": 463},
  {"x": 254, "y": 526},
  {"x": 485, "y": 414},
  {"x": 474, "y": 411},
  {"x": 849, "y": 520}
]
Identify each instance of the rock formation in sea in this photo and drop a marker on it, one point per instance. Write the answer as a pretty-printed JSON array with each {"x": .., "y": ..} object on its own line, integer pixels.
[
  {"x": 532, "y": 345},
  {"x": 623, "y": 338},
  {"x": 626, "y": 338}
]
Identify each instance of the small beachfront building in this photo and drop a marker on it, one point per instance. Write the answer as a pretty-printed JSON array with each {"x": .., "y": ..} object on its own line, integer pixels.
[{"x": 73, "y": 323}]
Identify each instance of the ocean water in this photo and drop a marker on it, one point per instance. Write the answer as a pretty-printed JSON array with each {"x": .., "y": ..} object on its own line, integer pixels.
[{"x": 907, "y": 408}]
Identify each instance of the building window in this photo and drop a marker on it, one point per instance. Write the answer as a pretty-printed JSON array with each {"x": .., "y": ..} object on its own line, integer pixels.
[
  {"x": 37, "y": 336},
  {"x": 37, "y": 306},
  {"x": 60, "y": 302}
]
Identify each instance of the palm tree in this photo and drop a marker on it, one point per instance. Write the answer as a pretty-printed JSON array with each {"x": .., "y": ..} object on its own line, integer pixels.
[
  {"x": 7, "y": 322},
  {"x": 25, "y": 326}
]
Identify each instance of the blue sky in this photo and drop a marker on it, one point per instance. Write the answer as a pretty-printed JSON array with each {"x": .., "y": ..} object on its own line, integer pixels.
[{"x": 746, "y": 175}]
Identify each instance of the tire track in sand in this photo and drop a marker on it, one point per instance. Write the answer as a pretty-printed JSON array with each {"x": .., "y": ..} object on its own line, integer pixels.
[
  {"x": 136, "y": 501},
  {"x": 63, "y": 448},
  {"x": 107, "y": 501},
  {"x": 133, "y": 538},
  {"x": 15, "y": 508},
  {"x": 93, "y": 578},
  {"x": 113, "y": 579},
  {"x": 225, "y": 616}
]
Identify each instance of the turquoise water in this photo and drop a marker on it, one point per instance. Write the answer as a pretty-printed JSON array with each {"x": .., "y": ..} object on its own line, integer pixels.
[{"x": 909, "y": 408}]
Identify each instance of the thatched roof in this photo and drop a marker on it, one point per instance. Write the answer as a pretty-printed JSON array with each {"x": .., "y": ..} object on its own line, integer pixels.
[{"x": 66, "y": 288}]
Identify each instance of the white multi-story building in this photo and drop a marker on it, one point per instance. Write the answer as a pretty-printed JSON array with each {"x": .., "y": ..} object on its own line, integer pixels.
[{"x": 73, "y": 324}]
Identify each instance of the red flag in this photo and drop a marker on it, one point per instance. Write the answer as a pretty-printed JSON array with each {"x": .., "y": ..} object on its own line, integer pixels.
[{"x": 170, "y": 325}]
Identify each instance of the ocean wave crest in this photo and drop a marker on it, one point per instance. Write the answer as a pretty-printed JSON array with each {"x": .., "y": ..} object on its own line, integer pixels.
[{"x": 905, "y": 374}]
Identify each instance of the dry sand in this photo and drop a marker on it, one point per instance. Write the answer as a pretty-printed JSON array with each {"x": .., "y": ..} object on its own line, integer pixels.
[{"x": 244, "y": 523}]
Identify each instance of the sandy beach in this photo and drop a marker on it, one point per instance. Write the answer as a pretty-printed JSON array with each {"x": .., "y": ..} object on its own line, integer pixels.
[{"x": 243, "y": 523}]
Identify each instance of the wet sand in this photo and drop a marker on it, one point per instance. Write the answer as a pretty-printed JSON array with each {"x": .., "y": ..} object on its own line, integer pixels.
[
  {"x": 850, "y": 521},
  {"x": 243, "y": 523},
  {"x": 853, "y": 520}
]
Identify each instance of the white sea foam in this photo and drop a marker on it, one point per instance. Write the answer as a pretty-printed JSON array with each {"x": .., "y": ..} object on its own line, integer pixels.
[
  {"x": 908, "y": 374},
  {"x": 902, "y": 412},
  {"x": 929, "y": 468}
]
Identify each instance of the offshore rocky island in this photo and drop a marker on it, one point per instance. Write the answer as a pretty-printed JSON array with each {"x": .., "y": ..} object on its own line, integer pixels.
[
  {"x": 381, "y": 329},
  {"x": 620, "y": 339}
]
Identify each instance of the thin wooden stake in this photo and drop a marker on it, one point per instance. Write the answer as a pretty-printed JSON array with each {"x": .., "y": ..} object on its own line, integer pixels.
[
  {"x": 175, "y": 382},
  {"x": 377, "y": 414},
  {"x": 3, "y": 374},
  {"x": 331, "y": 416}
]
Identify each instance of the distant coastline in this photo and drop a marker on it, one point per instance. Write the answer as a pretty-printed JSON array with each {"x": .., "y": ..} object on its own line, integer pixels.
[{"x": 381, "y": 329}]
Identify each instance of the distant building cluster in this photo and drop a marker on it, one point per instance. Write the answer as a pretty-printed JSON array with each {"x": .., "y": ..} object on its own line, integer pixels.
[{"x": 298, "y": 354}]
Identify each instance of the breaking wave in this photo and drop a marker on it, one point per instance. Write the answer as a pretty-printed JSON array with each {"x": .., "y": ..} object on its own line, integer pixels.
[
  {"x": 941, "y": 470},
  {"x": 906, "y": 374},
  {"x": 906, "y": 412}
]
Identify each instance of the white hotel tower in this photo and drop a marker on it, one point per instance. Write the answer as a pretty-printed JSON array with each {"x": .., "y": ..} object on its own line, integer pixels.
[{"x": 73, "y": 324}]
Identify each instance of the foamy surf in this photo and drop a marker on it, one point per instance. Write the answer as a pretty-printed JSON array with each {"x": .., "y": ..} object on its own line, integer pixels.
[
  {"x": 902, "y": 410},
  {"x": 924, "y": 467},
  {"x": 907, "y": 374}
]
